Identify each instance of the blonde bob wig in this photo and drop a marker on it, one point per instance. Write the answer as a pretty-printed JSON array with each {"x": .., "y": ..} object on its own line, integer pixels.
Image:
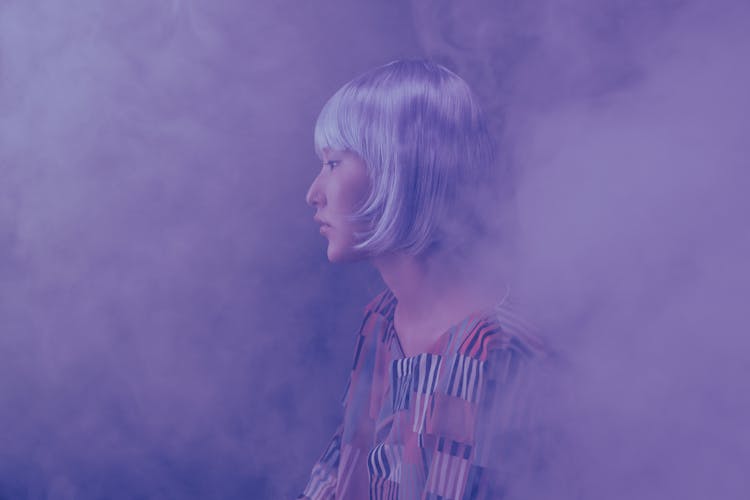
[{"x": 421, "y": 133}]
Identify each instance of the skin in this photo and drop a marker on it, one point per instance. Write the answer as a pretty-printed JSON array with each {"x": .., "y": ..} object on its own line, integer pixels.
[
  {"x": 339, "y": 189},
  {"x": 433, "y": 293}
]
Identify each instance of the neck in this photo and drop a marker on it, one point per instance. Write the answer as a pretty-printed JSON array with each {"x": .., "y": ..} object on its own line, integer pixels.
[{"x": 434, "y": 293}]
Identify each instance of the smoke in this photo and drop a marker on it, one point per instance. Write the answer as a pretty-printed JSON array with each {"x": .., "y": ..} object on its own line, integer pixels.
[
  {"x": 626, "y": 124},
  {"x": 170, "y": 327},
  {"x": 162, "y": 279}
]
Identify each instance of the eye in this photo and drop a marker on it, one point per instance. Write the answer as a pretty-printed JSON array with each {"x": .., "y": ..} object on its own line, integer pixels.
[{"x": 331, "y": 163}]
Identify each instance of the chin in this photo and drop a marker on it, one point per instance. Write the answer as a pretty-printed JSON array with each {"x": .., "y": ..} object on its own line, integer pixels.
[{"x": 338, "y": 255}]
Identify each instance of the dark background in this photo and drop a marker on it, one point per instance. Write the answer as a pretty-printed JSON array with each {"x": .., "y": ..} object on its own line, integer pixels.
[{"x": 171, "y": 328}]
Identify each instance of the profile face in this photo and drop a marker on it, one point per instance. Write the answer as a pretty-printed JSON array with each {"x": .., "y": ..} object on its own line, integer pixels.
[{"x": 338, "y": 191}]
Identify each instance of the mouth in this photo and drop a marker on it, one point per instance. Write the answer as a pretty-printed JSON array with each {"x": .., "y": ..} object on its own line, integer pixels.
[{"x": 321, "y": 222}]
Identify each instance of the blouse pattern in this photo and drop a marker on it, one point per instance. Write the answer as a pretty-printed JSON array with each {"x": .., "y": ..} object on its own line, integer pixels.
[{"x": 454, "y": 422}]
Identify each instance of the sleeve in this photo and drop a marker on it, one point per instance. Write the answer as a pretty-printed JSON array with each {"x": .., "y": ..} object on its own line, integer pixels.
[
  {"x": 506, "y": 433},
  {"x": 322, "y": 483},
  {"x": 324, "y": 476},
  {"x": 484, "y": 428}
]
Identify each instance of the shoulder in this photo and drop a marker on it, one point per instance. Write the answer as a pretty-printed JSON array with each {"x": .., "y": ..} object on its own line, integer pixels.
[
  {"x": 502, "y": 332},
  {"x": 378, "y": 314},
  {"x": 370, "y": 334},
  {"x": 383, "y": 303}
]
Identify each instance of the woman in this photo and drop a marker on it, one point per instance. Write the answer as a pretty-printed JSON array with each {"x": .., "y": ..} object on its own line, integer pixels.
[{"x": 438, "y": 402}]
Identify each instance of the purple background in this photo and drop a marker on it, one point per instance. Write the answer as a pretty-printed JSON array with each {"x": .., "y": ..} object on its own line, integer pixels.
[{"x": 170, "y": 327}]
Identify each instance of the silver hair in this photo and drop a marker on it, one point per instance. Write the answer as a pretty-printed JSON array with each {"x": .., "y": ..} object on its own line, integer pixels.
[{"x": 421, "y": 133}]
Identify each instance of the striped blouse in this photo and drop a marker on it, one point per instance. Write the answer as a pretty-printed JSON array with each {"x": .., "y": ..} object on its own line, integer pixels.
[{"x": 450, "y": 423}]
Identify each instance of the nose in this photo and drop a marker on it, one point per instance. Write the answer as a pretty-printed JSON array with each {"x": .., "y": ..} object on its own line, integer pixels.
[{"x": 315, "y": 197}]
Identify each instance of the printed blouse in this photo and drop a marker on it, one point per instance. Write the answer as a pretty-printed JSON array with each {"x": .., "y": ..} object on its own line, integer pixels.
[{"x": 455, "y": 422}]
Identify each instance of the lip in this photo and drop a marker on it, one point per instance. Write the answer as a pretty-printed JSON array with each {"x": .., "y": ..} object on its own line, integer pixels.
[
  {"x": 321, "y": 221},
  {"x": 324, "y": 226}
]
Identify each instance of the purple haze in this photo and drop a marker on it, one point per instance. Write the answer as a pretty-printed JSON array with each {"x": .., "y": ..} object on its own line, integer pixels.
[{"x": 170, "y": 328}]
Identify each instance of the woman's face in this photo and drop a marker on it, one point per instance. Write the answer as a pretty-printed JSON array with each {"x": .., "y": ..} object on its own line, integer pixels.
[{"x": 338, "y": 191}]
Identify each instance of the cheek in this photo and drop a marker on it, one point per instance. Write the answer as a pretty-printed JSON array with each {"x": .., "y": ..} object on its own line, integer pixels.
[
  {"x": 356, "y": 194},
  {"x": 342, "y": 240}
]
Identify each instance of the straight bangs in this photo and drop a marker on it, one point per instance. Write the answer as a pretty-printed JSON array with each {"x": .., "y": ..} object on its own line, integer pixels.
[
  {"x": 353, "y": 120},
  {"x": 329, "y": 133}
]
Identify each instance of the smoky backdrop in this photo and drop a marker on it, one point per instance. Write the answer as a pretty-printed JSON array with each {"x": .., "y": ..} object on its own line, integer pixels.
[{"x": 171, "y": 328}]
